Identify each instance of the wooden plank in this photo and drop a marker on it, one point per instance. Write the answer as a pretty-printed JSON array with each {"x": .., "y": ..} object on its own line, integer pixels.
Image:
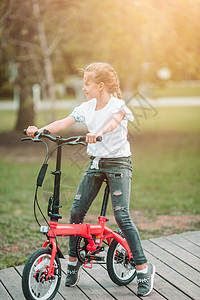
[
  {"x": 192, "y": 236},
  {"x": 90, "y": 287},
  {"x": 163, "y": 286},
  {"x": 12, "y": 280},
  {"x": 179, "y": 240},
  {"x": 20, "y": 269},
  {"x": 175, "y": 263},
  {"x": 168, "y": 290},
  {"x": 178, "y": 252},
  {"x": 100, "y": 274},
  {"x": 165, "y": 270},
  {"x": 3, "y": 293}
]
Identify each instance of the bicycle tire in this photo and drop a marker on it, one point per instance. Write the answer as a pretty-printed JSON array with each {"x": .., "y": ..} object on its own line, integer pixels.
[
  {"x": 34, "y": 283},
  {"x": 120, "y": 269}
]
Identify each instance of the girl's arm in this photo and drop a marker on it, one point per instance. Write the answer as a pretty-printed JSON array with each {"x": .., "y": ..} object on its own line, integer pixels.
[
  {"x": 107, "y": 127},
  {"x": 54, "y": 127}
]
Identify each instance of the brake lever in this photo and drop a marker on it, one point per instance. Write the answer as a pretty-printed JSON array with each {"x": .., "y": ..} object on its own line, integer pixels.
[
  {"x": 76, "y": 143},
  {"x": 32, "y": 139}
]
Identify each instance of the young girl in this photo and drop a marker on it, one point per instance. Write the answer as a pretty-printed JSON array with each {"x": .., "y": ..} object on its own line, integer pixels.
[{"x": 105, "y": 116}]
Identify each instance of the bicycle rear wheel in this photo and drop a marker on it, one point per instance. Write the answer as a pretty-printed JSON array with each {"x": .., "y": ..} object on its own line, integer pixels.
[
  {"x": 120, "y": 269},
  {"x": 34, "y": 283}
]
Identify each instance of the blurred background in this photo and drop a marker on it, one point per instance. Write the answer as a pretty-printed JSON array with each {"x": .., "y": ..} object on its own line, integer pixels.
[{"x": 155, "y": 48}]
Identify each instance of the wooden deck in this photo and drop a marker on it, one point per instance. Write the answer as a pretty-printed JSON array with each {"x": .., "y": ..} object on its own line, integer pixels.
[{"x": 177, "y": 261}]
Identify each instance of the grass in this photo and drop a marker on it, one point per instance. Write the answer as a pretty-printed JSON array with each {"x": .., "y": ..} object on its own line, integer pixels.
[
  {"x": 176, "y": 91},
  {"x": 168, "y": 175},
  {"x": 8, "y": 119},
  {"x": 166, "y": 178}
]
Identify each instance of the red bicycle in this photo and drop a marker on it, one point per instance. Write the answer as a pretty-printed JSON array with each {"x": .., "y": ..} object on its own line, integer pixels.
[{"x": 42, "y": 271}]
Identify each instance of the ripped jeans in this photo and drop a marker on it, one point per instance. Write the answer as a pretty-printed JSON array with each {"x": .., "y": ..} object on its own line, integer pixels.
[{"x": 118, "y": 173}]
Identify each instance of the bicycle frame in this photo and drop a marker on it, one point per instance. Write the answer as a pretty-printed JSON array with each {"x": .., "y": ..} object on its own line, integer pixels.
[{"x": 84, "y": 230}]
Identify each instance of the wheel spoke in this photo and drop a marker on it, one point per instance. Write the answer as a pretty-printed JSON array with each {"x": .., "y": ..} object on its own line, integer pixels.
[{"x": 120, "y": 269}]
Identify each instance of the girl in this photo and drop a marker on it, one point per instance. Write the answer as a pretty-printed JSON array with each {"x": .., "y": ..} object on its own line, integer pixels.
[{"x": 105, "y": 116}]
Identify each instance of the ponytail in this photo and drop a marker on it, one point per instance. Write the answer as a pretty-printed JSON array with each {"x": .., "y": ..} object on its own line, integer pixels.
[{"x": 117, "y": 90}]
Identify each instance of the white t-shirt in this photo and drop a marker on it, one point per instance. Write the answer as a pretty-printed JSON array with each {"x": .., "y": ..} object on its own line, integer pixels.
[{"x": 114, "y": 143}]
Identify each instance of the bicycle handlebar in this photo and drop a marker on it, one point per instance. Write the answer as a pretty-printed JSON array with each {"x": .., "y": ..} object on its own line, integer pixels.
[{"x": 59, "y": 139}]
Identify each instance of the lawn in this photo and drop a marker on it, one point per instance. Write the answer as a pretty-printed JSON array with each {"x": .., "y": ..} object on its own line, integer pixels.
[
  {"x": 166, "y": 162},
  {"x": 176, "y": 91}
]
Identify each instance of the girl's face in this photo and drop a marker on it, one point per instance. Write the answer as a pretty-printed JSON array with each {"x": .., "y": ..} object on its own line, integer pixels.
[{"x": 91, "y": 88}]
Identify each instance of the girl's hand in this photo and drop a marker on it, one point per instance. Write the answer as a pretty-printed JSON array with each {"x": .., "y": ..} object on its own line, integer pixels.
[
  {"x": 91, "y": 137},
  {"x": 31, "y": 130}
]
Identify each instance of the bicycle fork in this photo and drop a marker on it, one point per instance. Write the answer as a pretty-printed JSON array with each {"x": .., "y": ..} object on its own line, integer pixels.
[{"x": 53, "y": 244}]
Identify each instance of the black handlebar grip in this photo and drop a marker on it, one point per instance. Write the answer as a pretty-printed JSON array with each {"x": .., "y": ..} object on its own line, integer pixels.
[
  {"x": 45, "y": 131},
  {"x": 24, "y": 132},
  {"x": 99, "y": 139}
]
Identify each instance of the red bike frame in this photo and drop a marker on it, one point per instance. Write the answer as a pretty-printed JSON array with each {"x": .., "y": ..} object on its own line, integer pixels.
[{"x": 84, "y": 230}]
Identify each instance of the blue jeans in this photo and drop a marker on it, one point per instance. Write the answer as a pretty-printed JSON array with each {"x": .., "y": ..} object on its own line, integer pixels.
[{"x": 118, "y": 173}]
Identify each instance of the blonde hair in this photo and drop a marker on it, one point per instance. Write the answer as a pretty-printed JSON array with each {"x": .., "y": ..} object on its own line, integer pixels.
[{"x": 103, "y": 72}]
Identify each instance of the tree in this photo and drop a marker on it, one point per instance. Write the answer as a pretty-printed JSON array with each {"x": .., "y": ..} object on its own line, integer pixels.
[
  {"x": 46, "y": 56},
  {"x": 18, "y": 32},
  {"x": 25, "y": 37}
]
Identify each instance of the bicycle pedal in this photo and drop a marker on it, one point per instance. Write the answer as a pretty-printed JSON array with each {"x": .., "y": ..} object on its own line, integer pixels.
[{"x": 94, "y": 257}]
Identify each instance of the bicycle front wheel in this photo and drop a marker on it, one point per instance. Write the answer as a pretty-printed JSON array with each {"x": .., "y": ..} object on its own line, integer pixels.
[
  {"x": 35, "y": 284},
  {"x": 120, "y": 269}
]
